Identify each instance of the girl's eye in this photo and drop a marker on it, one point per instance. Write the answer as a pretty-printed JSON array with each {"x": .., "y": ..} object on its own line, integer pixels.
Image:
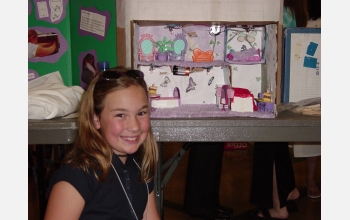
[
  {"x": 142, "y": 113},
  {"x": 120, "y": 115}
]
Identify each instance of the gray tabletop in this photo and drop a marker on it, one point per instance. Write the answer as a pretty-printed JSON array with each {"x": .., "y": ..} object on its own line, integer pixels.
[{"x": 287, "y": 126}]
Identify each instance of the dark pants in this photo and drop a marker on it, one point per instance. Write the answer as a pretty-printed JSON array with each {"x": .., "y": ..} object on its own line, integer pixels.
[
  {"x": 203, "y": 178},
  {"x": 265, "y": 154}
]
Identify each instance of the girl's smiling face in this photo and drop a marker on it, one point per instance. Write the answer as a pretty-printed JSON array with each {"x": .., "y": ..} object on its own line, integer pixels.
[{"x": 125, "y": 119}]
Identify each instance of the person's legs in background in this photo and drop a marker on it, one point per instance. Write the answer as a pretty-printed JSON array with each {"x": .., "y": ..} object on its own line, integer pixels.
[
  {"x": 311, "y": 152},
  {"x": 273, "y": 183},
  {"x": 203, "y": 181},
  {"x": 312, "y": 188}
]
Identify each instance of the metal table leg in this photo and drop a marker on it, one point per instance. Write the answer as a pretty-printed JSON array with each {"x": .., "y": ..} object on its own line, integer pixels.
[
  {"x": 161, "y": 181},
  {"x": 157, "y": 181},
  {"x": 41, "y": 179}
]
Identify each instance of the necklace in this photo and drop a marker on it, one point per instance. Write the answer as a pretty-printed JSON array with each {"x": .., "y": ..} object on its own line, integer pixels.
[
  {"x": 125, "y": 191},
  {"x": 122, "y": 155}
]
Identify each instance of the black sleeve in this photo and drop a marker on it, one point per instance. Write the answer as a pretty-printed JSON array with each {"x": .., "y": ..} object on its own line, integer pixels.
[
  {"x": 150, "y": 186},
  {"x": 85, "y": 183}
]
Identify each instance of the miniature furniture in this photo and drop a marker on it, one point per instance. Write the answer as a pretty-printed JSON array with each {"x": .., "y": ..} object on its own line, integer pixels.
[
  {"x": 248, "y": 55},
  {"x": 147, "y": 50},
  {"x": 266, "y": 107},
  {"x": 180, "y": 46},
  {"x": 201, "y": 56}
]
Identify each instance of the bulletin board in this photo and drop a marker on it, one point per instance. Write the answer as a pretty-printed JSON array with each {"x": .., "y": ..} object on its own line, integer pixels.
[{"x": 302, "y": 64}]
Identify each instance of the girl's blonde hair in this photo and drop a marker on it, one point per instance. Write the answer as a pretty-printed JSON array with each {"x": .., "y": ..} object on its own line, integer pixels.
[{"x": 91, "y": 152}]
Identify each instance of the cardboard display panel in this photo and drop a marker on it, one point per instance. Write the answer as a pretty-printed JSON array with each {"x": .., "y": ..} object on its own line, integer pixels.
[{"x": 77, "y": 35}]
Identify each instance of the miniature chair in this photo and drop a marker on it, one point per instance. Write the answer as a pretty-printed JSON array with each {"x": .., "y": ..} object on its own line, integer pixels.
[
  {"x": 261, "y": 106},
  {"x": 180, "y": 46}
]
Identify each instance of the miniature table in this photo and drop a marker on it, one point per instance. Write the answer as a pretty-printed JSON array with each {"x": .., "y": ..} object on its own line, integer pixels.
[{"x": 286, "y": 127}]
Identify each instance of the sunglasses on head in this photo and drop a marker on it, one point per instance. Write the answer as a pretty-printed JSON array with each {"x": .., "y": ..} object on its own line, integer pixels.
[{"x": 115, "y": 74}]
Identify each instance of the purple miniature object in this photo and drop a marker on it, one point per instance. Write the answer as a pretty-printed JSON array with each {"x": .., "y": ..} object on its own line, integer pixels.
[
  {"x": 266, "y": 107},
  {"x": 261, "y": 106},
  {"x": 249, "y": 55},
  {"x": 269, "y": 107}
]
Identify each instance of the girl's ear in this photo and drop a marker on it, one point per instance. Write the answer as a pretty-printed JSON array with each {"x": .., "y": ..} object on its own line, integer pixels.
[{"x": 97, "y": 123}]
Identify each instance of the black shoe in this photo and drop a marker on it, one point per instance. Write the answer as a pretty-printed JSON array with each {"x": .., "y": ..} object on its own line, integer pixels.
[
  {"x": 292, "y": 206},
  {"x": 224, "y": 210},
  {"x": 254, "y": 214},
  {"x": 218, "y": 216}
]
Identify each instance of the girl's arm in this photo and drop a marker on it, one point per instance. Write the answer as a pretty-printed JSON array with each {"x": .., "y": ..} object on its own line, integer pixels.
[
  {"x": 151, "y": 212},
  {"x": 65, "y": 202}
]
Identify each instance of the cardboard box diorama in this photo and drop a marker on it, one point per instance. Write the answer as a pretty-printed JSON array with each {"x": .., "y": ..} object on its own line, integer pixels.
[
  {"x": 196, "y": 62},
  {"x": 70, "y": 37}
]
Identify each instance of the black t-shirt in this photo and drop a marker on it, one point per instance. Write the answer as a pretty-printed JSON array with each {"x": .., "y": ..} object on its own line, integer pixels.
[{"x": 107, "y": 200}]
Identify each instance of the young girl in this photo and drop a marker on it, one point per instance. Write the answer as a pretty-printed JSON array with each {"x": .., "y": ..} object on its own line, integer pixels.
[{"x": 109, "y": 172}]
